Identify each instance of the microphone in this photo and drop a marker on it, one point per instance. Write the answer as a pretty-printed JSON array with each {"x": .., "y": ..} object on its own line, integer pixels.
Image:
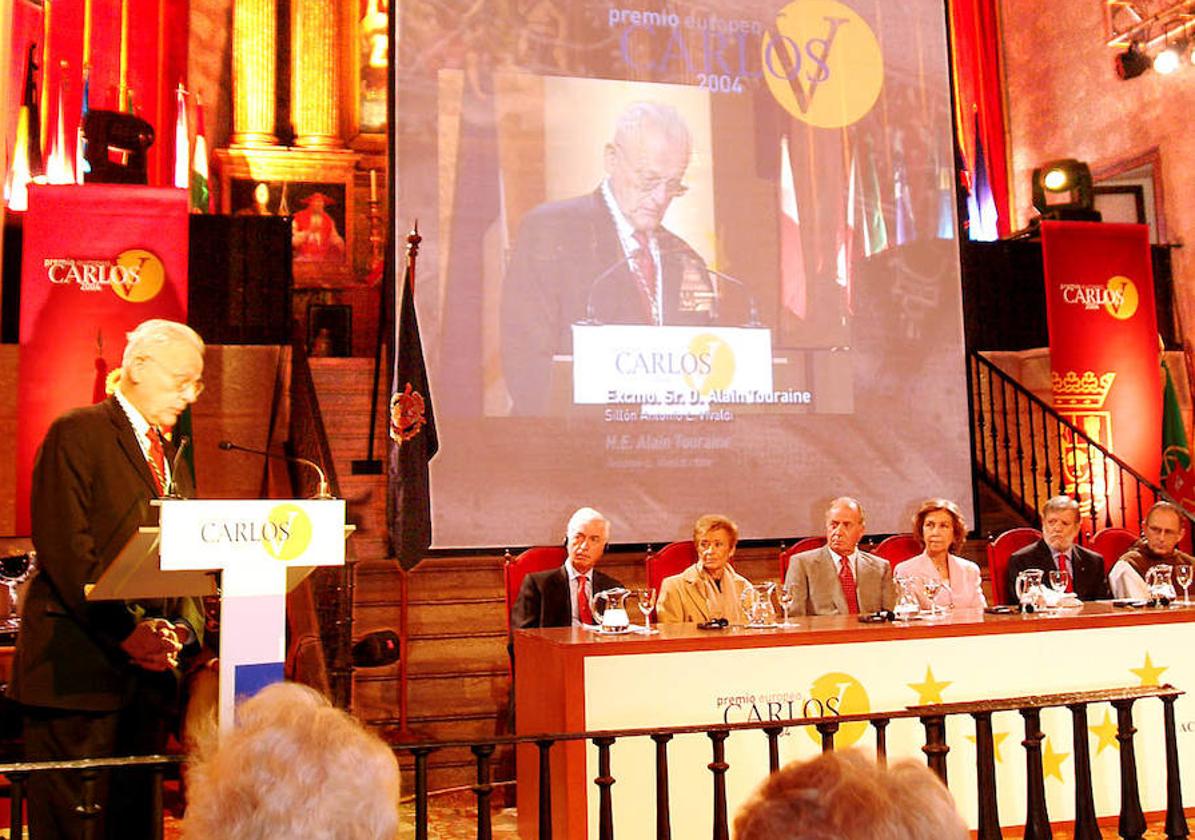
[
  {"x": 172, "y": 487},
  {"x": 322, "y": 492},
  {"x": 604, "y": 274},
  {"x": 752, "y": 305}
]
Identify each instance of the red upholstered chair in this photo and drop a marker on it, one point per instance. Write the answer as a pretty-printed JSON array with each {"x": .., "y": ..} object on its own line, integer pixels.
[
  {"x": 1111, "y": 543},
  {"x": 535, "y": 559},
  {"x": 670, "y": 560},
  {"x": 898, "y": 548},
  {"x": 806, "y": 544},
  {"x": 1000, "y": 549}
]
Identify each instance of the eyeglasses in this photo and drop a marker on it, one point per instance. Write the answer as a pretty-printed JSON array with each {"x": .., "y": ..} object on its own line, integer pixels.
[
  {"x": 649, "y": 184},
  {"x": 181, "y": 383}
]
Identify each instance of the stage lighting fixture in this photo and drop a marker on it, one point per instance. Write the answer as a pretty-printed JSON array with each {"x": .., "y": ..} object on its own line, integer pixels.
[
  {"x": 1132, "y": 62},
  {"x": 1167, "y": 61},
  {"x": 1062, "y": 190}
]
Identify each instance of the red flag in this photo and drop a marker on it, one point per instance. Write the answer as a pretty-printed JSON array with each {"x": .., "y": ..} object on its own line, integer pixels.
[{"x": 792, "y": 253}]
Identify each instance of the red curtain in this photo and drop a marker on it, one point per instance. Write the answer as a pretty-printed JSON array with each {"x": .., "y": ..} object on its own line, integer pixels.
[{"x": 978, "y": 79}]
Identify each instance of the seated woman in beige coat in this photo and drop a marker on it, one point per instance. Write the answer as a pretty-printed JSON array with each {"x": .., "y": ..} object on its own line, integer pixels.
[{"x": 709, "y": 588}]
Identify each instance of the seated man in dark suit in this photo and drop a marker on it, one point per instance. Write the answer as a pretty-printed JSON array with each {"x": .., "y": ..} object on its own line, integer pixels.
[
  {"x": 838, "y": 579},
  {"x": 1057, "y": 550},
  {"x": 604, "y": 256},
  {"x": 560, "y": 597}
]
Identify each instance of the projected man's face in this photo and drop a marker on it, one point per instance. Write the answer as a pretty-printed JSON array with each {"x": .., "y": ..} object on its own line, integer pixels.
[
  {"x": 715, "y": 547},
  {"x": 645, "y": 168},
  {"x": 844, "y": 528},
  {"x": 587, "y": 544}
]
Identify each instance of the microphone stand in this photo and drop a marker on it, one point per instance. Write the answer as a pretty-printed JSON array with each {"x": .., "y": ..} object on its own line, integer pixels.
[{"x": 323, "y": 492}]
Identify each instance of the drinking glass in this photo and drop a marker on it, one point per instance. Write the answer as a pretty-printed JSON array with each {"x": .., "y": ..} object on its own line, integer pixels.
[
  {"x": 646, "y": 596},
  {"x": 15, "y": 569},
  {"x": 788, "y": 596},
  {"x": 932, "y": 587},
  {"x": 1060, "y": 580},
  {"x": 1183, "y": 577}
]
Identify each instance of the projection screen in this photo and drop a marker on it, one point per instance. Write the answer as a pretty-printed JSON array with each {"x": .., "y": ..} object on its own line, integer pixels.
[{"x": 682, "y": 258}]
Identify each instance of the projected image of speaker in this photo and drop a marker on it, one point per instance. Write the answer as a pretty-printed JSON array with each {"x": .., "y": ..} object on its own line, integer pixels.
[{"x": 116, "y": 147}]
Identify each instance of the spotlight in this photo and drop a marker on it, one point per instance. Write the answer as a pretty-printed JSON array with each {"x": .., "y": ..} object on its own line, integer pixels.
[
  {"x": 1132, "y": 62},
  {"x": 1167, "y": 61},
  {"x": 1062, "y": 189}
]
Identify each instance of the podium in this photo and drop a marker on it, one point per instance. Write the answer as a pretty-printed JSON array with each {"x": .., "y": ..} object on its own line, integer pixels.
[{"x": 261, "y": 548}]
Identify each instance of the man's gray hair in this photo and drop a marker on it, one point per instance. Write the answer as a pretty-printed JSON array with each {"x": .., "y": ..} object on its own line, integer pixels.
[
  {"x": 655, "y": 114},
  {"x": 584, "y": 516},
  {"x": 1057, "y": 504},
  {"x": 851, "y": 502},
  {"x": 155, "y": 332}
]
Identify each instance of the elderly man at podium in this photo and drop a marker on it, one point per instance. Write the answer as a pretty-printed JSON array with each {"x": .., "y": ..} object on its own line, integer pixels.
[{"x": 101, "y": 679}]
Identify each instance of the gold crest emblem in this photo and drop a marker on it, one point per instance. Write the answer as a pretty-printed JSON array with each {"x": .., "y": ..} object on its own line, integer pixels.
[{"x": 407, "y": 415}]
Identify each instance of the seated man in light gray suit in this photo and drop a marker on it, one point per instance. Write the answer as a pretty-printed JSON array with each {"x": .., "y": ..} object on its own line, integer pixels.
[{"x": 838, "y": 579}]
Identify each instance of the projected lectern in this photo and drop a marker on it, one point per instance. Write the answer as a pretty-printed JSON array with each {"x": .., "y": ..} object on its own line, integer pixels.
[{"x": 263, "y": 548}]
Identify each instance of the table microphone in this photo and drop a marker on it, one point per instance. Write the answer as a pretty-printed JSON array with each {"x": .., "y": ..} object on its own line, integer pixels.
[{"x": 322, "y": 492}]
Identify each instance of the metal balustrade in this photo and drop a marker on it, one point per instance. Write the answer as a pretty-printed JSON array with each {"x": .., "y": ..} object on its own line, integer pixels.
[{"x": 933, "y": 719}]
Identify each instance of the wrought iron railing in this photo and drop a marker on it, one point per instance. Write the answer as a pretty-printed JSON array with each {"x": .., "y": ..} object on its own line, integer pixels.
[
  {"x": 933, "y": 718},
  {"x": 1028, "y": 452}
]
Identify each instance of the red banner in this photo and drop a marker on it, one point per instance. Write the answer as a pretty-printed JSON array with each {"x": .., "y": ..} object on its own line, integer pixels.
[
  {"x": 1104, "y": 356},
  {"x": 98, "y": 260}
]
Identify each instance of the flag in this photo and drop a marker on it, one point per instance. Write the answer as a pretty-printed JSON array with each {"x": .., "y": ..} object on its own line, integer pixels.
[
  {"x": 792, "y": 254},
  {"x": 1177, "y": 477},
  {"x": 875, "y": 228},
  {"x": 981, "y": 204},
  {"x": 413, "y": 437},
  {"x": 201, "y": 197},
  {"x": 182, "y": 143},
  {"x": 26, "y": 155},
  {"x": 902, "y": 199},
  {"x": 846, "y": 233}
]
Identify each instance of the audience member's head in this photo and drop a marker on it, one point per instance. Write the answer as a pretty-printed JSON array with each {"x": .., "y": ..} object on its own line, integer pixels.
[
  {"x": 845, "y": 796},
  {"x": 587, "y": 534},
  {"x": 294, "y": 766}
]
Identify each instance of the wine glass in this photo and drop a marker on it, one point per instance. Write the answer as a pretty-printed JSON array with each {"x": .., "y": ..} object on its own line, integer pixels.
[
  {"x": 15, "y": 569},
  {"x": 932, "y": 587},
  {"x": 1183, "y": 577},
  {"x": 1060, "y": 581},
  {"x": 788, "y": 596},
  {"x": 646, "y": 596}
]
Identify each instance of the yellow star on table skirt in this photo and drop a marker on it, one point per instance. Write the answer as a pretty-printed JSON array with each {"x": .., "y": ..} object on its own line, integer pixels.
[
  {"x": 1148, "y": 673},
  {"x": 1051, "y": 762},
  {"x": 930, "y": 690},
  {"x": 997, "y": 740},
  {"x": 1106, "y": 732}
]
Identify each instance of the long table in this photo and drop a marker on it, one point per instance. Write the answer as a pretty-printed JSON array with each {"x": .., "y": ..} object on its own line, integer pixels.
[{"x": 572, "y": 680}]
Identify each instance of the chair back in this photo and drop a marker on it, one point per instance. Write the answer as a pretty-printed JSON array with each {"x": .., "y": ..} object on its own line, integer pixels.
[
  {"x": 535, "y": 559},
  {"x": 1000, "y": 549},
  {"x": 898, "y": 548},
  {"x": 806, "y": 544},
  {"x": 1111, "y": 543},
  {"x": 670, "y": 560}
]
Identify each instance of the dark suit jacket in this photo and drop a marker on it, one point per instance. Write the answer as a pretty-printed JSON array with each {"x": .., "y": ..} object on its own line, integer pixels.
[
  {"x": 1090, "y": 581},
  {"x": 558, "y": 266},
  {"x": 544, "y": 599},
  {"x": 91, "y": 491}
]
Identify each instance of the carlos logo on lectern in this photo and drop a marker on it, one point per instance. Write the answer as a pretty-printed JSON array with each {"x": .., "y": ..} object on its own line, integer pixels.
[
  {"x": 831, "y": 695},
  {"x": 285, "y": 533}
]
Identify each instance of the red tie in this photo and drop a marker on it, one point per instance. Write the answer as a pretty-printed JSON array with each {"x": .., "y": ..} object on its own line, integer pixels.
[
  {"x": 157, "y": 458},
  {"x": 584, "y": 613},
  {"x": 847, "y": 579},
  {"x": 1064, "y": 565},
  {"x": 645, "y": 274}
]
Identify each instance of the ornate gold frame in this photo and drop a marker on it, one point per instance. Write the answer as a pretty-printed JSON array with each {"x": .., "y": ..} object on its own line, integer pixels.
[{"x": 370, "y": 139}]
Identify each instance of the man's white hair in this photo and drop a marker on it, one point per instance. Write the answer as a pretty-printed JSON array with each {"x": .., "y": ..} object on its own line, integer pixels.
[
  {"x": 155, "y": 332},
  {"x": 583, "y": 517},
  {"x": 658, "y": 115}
]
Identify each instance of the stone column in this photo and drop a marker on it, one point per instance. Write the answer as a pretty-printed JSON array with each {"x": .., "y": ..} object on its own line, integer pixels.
[
  {"x": 315, "y": 73},
  {"x": 254, "y": 54}
]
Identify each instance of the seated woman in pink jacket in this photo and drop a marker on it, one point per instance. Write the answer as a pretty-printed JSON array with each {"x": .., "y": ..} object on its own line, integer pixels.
[{"x": 940, "y": 526}]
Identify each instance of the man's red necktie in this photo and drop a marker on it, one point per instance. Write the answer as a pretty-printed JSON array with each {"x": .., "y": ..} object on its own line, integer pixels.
[
  {"x": 584, "y": 613},
  {"x": 645, "y": 274},
  {"x": 847, "y": 578},
  {"x": 157, "y": 458}
]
